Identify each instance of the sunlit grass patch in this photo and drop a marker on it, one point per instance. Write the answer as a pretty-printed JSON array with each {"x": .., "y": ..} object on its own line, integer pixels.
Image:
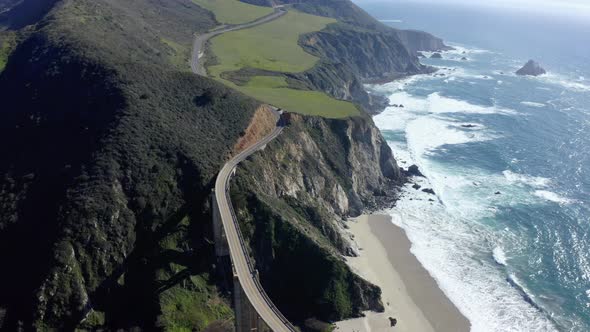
[{"x": 233, "y": 11}]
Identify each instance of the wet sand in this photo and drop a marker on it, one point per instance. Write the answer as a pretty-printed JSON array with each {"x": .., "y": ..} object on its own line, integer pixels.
[{"x": 409, "y": 293}]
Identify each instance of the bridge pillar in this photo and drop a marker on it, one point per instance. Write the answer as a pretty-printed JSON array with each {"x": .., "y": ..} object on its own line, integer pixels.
[
  {"x": 247, "y": 319},
  {"x": 2, "y": 315},
  {"x": 221, "y": 245}
]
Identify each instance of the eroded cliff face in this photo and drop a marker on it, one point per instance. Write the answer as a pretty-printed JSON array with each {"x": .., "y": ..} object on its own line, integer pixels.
[
  {"x": 368, "y": 54},
  {"x": 337, "y": 80},
  {"x": 292, "y": 198},
  {"x": 416, "y": 41}
]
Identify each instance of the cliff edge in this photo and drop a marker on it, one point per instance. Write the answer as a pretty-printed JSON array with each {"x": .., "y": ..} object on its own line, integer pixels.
[{"x": 292, "y": 200}]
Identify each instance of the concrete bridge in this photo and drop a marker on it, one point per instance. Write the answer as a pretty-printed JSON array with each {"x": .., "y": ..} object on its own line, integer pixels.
[{"x": 253, "y": 308}]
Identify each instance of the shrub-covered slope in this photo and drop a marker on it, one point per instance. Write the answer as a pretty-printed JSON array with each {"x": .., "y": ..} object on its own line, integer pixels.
[{"x": 109, "y": 158}]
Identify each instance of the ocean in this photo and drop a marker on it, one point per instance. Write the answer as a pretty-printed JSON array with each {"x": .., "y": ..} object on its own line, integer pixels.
[{"x": 507, "y": 233}]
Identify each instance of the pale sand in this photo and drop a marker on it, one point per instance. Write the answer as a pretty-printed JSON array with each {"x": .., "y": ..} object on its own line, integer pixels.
[{"x": 409, "y": 293}]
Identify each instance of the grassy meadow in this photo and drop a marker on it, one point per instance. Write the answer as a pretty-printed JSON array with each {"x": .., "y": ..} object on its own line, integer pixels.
[
  {"x": 233, "y": 11},
  {"x": 275, "y": 90},
  {"x": 274, "y": 46},
  {"x": 7, "y": 44}
]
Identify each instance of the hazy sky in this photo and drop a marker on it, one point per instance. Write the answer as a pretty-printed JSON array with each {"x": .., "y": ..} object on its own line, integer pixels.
[{"x": 574, "y": 7}]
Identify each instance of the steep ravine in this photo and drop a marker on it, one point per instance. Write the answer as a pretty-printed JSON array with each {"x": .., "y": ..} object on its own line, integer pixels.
[{"x": 292, "y": 199}]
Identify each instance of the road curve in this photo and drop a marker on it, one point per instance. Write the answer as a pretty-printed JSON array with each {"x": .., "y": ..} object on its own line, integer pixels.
[
  {"x": 241, "y": 262},
  {"x": 200, "y": 40},
  {"x": 240, "y": 258}
]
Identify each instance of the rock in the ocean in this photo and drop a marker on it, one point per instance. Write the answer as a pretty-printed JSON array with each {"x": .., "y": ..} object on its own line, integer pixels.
[
  {"x": 428, "y": 191},
  {"x": 463, "y": 59},
  {"x": 414, "y": 171},
  {"x": 420, "y": 55},
  {"x": 416, "y": 186},
  {"x": 436, "y": 55},
  {"x": 531, "y": 68}
]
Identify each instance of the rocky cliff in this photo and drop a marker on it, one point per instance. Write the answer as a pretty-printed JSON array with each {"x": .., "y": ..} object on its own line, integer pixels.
[
  {"x": 291, "y": 200},
  {"x": 416, "y": 41},
  {"x": 339, "y": 81},
  {"x": 347, "y": 12},
  {"x": 368, "y": 54},
  {"x": 357, "y": 50}
]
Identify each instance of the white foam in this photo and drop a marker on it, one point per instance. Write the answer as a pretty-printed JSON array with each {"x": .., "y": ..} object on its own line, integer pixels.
[
  {"x": 446, "y": 243},
  {"x": 460, "y": 49},
  {"x": 552, "y": 197},
  {"x": 425, "y": 134},
  {"x": 436, "y": 103},
  {"x": 499, "y": 256},
  {"x": 532, "y": 104},
  {"x": 445, "y": 238},
  {"x": 565, "y": 82},
  {"x": 532, "y": 181}
]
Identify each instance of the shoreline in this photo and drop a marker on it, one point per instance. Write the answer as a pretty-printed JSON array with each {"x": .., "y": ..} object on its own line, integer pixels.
[{"x": 409, "y": 293}]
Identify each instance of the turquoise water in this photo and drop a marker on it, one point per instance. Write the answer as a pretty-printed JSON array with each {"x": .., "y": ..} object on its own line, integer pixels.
[{"x": 507, "y": 235}]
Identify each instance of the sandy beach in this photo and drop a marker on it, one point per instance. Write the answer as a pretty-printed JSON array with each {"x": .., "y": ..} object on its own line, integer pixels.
[{"x": 409, "y": 293}]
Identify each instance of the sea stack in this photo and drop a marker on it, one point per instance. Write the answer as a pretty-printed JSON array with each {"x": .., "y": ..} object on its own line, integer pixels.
[
  {"x": 436, "y": 55},
  {"x": 531, "y": 68}
]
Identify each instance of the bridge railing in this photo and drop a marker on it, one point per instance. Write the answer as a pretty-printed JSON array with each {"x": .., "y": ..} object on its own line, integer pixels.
[{"x": 251, "y": 267}]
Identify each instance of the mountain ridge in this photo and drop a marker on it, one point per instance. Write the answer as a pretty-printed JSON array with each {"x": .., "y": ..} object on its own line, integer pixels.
[{"x": 105, "y": 188}]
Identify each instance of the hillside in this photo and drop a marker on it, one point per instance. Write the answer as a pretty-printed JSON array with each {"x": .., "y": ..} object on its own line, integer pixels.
[
  {"x": 114, "y": 145},
  {"x": 356, "y": 50},
  {"x": 104, "y": 190}
]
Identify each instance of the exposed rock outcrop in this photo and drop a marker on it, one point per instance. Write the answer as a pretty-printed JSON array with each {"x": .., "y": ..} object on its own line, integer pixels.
[
  {"x": 413, "y": 170},
  {"x": 291, "y": 200},
  {"x": 429, "y": 191},
  {"x": 368, "y": 54},
  {"x": 436, "y": 55},
  {"x": 337, "y": 80},
  {"x": 531, "y": 68},
  {"x": 416, "y": 41}
]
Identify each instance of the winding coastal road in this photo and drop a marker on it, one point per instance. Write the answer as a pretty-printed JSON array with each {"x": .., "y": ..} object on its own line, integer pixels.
[
  {"x": 200, "y": 40},
  {"x": 242, "y": 265}
]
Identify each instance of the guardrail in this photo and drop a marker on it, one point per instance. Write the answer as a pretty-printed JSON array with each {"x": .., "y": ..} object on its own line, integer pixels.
[{"x": 251, "y": 268}]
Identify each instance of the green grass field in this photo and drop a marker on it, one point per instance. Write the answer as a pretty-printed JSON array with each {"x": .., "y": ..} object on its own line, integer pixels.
[
  {"x": 7, "y": 44},
  {"x": 271, "y": 46},
  {"x": 274, "y": 90},
  {"x": 274, "y": 46},
  {"x": 233, "y": 11}
]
